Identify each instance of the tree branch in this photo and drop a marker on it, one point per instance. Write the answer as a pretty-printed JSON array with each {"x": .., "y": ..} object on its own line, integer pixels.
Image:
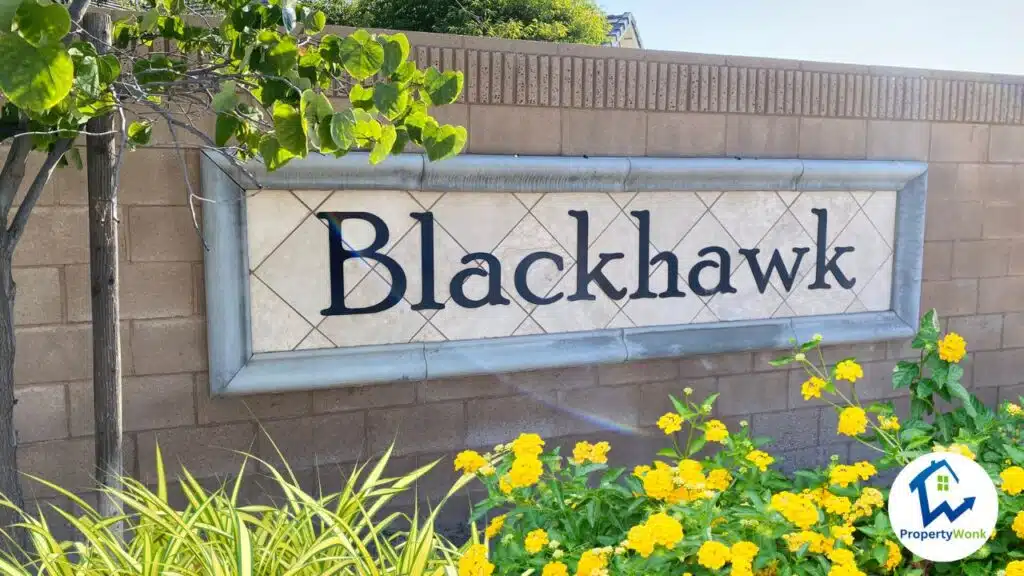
[
  {"x": 35, "y": 190},
  {"x": 78, "y": 9},
  {"x": 12, "y": 175}
]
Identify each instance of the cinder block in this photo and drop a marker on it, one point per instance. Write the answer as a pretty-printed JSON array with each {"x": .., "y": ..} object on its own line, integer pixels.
[
  {"x": 360, "y": 397},
  {"x": 205, "y": 452},
  {"x": 1001, "y": 294},
  {"x": 938, "y": 261},
  {"x": 604, "y": 132},
  {"x": 32, "y": 164},
  {"x": 833, "y": 138},
  {"x": 1002, "y": 220},
  {"x": 199, "y": 290},
  {"x": 38, "y": 297},
  {"x": 147, "y": 290},
  {"x": 1016, "y": 257},
  {"x": 606, "y": 408},
  {"x": 405, "y": 426},
  {"x": 959, "y": 142},
  {"x": 981, "y": 332},
  {"x": 499, "y": 420},
  {"x": 789, "y": 430},
  {"x": 955, "y": 182},
  {"x": 655, "y": 401},
  {"x": 515, "y": 130},
  {"x": 1006, "y": 144},
  {"x": 149, "y": 402},
  {"x": 558, "y": 379},
  {"x": 69, "y": 464},
  {"x": 762, "y": 136},
  {"x": 314, "y": 440},
  {"x": 1011, "y": 394},
  {"x": 639, "y": 371},
  {"x": 169, "y": 346},
  {"x": 750, "y": 394},
  {"x": 54, "y": 235},
  {"x": 981, "y": 258},
  {"x": 892, "y": 140},
  {"x": 1013, "y": 330},
  {"x": 242, "y": 409},
  {"x": 676, "y": 134},
  {"x": 468, "y": 387},
  {"x": 715, "y": 364},
  {"x": 950, "y": 297},
  {"x": 53, "y": 353},
  {"x": 41, "y": 413},
  {"x": 149, "y": 176},
  {"x": 163, "y": 234},
  {"x": 998, "y": 368},
  {"x": 813, "y": 457},
  {"x": 1001, "y": 183},
  {"x": 954, "y": 221}
]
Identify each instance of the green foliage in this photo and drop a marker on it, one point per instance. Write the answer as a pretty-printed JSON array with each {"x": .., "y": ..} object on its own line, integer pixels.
[
  {"x": 346, "y": 533},
  {"x": 570, "y": 21}
]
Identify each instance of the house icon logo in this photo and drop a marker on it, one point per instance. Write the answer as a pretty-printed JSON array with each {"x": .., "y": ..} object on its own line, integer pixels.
[{"x": 943, "y": 507}]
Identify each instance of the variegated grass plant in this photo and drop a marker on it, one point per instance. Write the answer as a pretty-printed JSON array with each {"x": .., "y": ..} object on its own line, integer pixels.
[{"x": 345, "y": 533}]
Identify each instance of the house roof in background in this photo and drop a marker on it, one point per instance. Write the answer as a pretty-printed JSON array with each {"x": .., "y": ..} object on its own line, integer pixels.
[{"x": 621, "y": 24}]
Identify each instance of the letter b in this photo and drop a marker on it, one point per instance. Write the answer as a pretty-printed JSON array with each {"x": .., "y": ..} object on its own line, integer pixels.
[{"x": 340, "y": 252}]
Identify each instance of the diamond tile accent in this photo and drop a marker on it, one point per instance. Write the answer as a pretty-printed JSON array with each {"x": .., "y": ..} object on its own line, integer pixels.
[{"x": 290, "y": 282}]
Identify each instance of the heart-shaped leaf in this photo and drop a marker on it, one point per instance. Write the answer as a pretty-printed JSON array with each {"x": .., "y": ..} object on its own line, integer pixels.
[
  {"x": 225, "y": 128},
  {"x": 227, "y": 99},
  {"x": 290, "y": 129},
  {"x": 343, "y": 126},
  {"x": 443, "y": 141},
  {"x": 361, "y": 97},
  {"x": 361, "y": 56},
  {"x": 35, "y": 78},
  {"x": 442, "y": 88},
  {"x": 140, "y": 132},
  {"x": 391, "y": 100},
  {"x": 274, "y": 155},
  {"x": 42, "y": 23},
  {"x": 8, "y": 8},
  {"x": 110, "y": 68},
  {"x": 382, "y": 147},
  {"x": 396, "y": 51},
  {"x": 314, "y": 23}
]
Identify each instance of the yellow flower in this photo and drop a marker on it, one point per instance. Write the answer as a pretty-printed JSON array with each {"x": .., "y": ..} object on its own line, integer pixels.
[
  {"x": 895, "y": 556},
  {"x": 952, "y": 348},
  {"x": 474, "y": 562},
  {"x": 1018, "y": 525},
  {"x": 812, "y": 388},
  {"x": 599, "y": 453},
  {"x": 528, "y": 445},
  {"x": 838, "y": 505},
  {"x": 816, "y": 543},
  {"x": 1014, "y": 410},
  {"x": 842, "y": 475},
  {"x": 843, "y": 534},
  {"x": 591, "y": 563},
  {"x": 796, "y": 508},
  {"x": 961, "y": 449},
  {"x": 760, "y": 459},
  {"x": 849, "y": 370},
  {"x": 555, "y": 569},
  {"x": 505, "y": 485},
  {"x": 525, "y": 472},
  {"x": 715, "y": 431},
  {"x": 586, "y": 452},
  {"x": 713, "y": 555},
  {"x": 495, "y": 526},
  {"x": 670, "y": 423},
  {"x": 665, "y": 529},
  {"x": 469, "y": 461},
  {"x": 658, "y": 483},
  {"x": 853, "y": 421},
  {"x": 743, "y": 551},
  {"x": 889, "y": 423},
  {"x": 1013, "y": 480},
  {"x": 641, "y": 539},
  {"x": 865, "y": 470},
  {"x": 1015, "y": 568},
  {"x": 640, "y": 470},
  {"x": 719, "y": 479},
  {"x": 842, "y": 556},
  {"x": 535, "y": 541},
  {"x": 844, "y": 570}
]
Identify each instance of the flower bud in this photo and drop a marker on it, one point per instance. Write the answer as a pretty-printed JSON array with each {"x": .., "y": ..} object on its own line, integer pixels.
[
  {"x": 687, "y": 390},
  {"x": 800, "y": 357}
]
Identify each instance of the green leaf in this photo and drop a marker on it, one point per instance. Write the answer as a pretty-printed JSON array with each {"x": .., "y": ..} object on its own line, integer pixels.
[
  {"x": 343, "y": 126},
  {"x": 390, "y": 100},
  {"x": 928, "y": 331},
  {"x": 401, "y": 140},
  {"x": 360, "y": 55},
  {"x": 315, "y": 106},
  {"x": 227, "y": 99},
  {"x": 382, "y": 147},
  {"x": 957, "y": 390},
  {"x": 361, "y": 97},
  {"x": 443, "y": 141},
  {"x": 225, "y": 128},
  {"x": 283, "y": 57},
  {"x": 367, "y": 130},
  {"x": 34, "y": 78},
  {"x": 74, "y": 157},
  {"x": 87, "y": 75},
  {"x": 42, "y": 23},
  {"x": 140, "y": 132},
  {"x": 783, "y": 361},
  {"x": 406, "y": 73},
  {"x": 315, "y": 22},
  {"x": 149, "y": 20},
  {"x": 109, "y": 68},
  {"x": 442, "y": 88},
  {"x": 904, "y": 373},
  {"x": 396, "y": 51},
  {"x": 8, "y": 8},
  {"x": 290, "y": 130},
  {"x": 274, "y": 155}
]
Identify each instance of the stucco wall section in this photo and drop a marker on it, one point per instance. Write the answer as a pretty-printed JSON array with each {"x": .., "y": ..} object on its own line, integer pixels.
[{"x": 533, "y": 98}]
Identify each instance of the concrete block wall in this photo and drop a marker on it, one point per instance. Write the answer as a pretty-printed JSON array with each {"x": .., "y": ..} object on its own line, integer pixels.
[{"x": 535, "y": 98}]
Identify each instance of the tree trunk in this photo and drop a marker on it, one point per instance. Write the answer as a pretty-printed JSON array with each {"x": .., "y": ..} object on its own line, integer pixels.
[
  {"x": 101, "y": 158},
  {"x": 10, "y": 483}
]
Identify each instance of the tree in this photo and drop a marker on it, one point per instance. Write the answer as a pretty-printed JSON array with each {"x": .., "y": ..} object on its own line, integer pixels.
[
  {"x": 265, "y": 70},
  {"x": 571, "y": 21}
]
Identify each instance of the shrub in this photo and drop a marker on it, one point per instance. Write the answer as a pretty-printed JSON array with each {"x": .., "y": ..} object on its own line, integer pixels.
[
  {"x": 343, "y": 534},
  {"x": 700, "y": 515}
]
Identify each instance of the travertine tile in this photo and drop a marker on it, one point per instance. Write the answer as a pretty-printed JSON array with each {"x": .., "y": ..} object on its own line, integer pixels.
[
  {"x": 275, "y": 325},
  {"x": 270, "y": 216},
  {"x": 299, "y": 270}
]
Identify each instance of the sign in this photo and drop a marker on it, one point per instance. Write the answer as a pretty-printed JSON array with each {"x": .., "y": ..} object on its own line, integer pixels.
[
  {"x": 943, "y": 507},
  {"x": 353, "y": 268},
  {"x": 332, "y": 271}
]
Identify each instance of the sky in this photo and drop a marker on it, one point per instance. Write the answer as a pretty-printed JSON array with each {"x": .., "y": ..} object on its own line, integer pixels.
[{"x": 967, "y": 35}]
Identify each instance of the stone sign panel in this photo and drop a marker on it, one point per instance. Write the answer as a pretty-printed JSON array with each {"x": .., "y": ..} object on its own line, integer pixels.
[{"x": 378, "y": 274}]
